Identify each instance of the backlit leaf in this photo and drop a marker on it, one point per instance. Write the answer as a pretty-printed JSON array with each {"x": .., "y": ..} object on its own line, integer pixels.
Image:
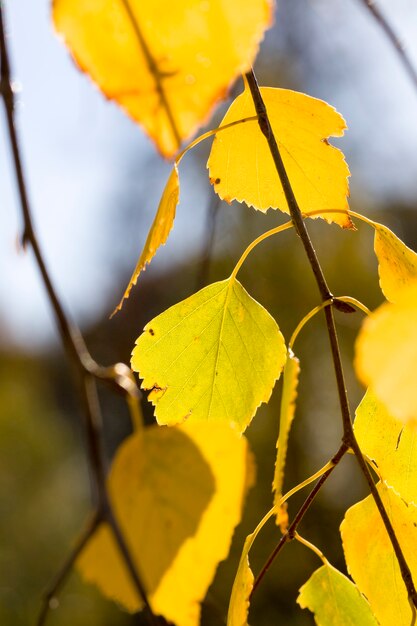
[
  {"x": 335, "y": 600},
  {"x": 370, "y": 557},
  {"x": 242, "y": 588},
  {"x": 160, "y": 229},
  {"x": 288, "y": 398},
  {"x": 386, "y": 355},
  {"x": 214, "y": 356},
  {"x": 178, "y": 495},
  {"x": 397, "y": 263},
  {"x": 390, "y": 444},
  {"x": 161, "y": 61},
  {"x": 241, "y": 166}
]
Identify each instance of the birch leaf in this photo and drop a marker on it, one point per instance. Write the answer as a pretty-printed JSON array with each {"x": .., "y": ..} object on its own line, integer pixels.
[
  {"x": 160, "y": 229},
  {"x": 178, "y": 495},
  {"x": 370, "y": 557},
  {"x": 335, "y": 600},
  {"x": 397, "y": 264},
  {"x": 161, "y": 61},
  {"x": 242, "y": 588},
  {"x": 214, "y": 356},
  {"x": 288, "y": 398},
  {"x": 390, "y": 444},
  {"x": 386, "y": 355},
  {"x": 241, "y": 166}
]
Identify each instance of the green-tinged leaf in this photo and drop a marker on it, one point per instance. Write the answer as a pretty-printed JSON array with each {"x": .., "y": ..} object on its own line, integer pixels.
[
  {"x": 160, "y": 229},
  {"x": 370, "y": 557},
  {"x": 386, "y": 355},
  {"x": 178, "y": 495},
  {"x": 288, "y": 398},
  {"x": 335, "y": 600},
  {"x": 391, "y": 444},
  {"x": 214, "y": 356},
  {"x": 241, "y": 166},
  {"x": 242, "y": 588},
  {"x": 397, "y": 264}
]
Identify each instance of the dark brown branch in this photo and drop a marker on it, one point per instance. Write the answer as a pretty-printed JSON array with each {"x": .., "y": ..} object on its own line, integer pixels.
[
  {"x": 348, "y": 435},
  {"x": 290, "y": 533},
  {"x": 394, "y": 39},
  {"x": 61, "y": 576},
  {"x": 73, "y": 342}
]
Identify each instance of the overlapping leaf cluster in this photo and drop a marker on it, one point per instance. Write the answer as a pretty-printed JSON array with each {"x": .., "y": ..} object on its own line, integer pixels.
[{"x": 209, "y": 361}]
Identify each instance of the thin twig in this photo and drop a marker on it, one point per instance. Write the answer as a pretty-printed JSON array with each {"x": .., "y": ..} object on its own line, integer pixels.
[
  {"x": 394, "y": 39},
  {"x": 290, "y": 532},
  {"x": 74, "y": 344},
  {"x": 90, "y": 528},
  {"x": 348, "y": 435}
]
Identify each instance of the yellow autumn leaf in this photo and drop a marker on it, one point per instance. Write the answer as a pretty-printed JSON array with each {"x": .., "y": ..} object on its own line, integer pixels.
[
  {"x": 241, "y": 166},
  {"x": 335, "y": 600},
  {"x": 160, "y": 229},
  {"x": 161, "y": 61},
  {"x": 386, "y": 355},
  {"x": 390, "y": 444},
  {"x": 214, "y": 356},
  {"x": 242, "y": 587},
  {"x": 288, "y": 398},
  {"x": 397, "y": 264},
  {"x": 370, "y": 557},
  {"x": 178, "y": 494}
]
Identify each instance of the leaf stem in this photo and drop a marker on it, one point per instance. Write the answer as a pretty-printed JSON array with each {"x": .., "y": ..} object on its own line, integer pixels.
[
  {"x": 86, "y": 368},
  {"x": 349, "y": 440},
  {"x": 255, "y": 242},
  {"x": 289, "y": 534},
  {"x": 311, "y": 547},
  {"x": 320, "y": 307}
]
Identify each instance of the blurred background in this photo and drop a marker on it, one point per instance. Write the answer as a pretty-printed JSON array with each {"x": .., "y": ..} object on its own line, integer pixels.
[{"x": 94, "y": 182}]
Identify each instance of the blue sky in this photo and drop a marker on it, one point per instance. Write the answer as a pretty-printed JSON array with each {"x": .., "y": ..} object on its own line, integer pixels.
[{"x": 76, "y": 145}]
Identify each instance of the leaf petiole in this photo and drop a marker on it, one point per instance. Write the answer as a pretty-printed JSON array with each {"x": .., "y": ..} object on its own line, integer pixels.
[
  {"x": 311, "y": 547},
  {"x": 320, "y": 307},
  {"x": 255, "y": 242}
]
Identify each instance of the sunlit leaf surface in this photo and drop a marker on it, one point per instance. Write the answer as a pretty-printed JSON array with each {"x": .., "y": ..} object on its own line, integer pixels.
[
  {"x": 335, "y": 600},
  {"x": 397, "y": 264},
  {"x": 288, "y": 398},
  {"x": 178, "y": 494},
  {"x": 391, "y": 444},
  {"x": 160, "y": 229},
  {"x": 370, "y": 557},
  {"x": 242, "y": 588},
  {"x": 214, "y": 356},
  {"x": 386, "y": 355},
  {"x": 161, "y": 61},
  {"x": 241, "y": 167}
]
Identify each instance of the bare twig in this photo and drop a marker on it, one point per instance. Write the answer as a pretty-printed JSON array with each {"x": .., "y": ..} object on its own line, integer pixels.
[
  {"x": 78, "y": 355},
  {"x": 289, "y": 535},
  {"x": 61, "y": 576},
  {"x": 394, "y": 39},
  {"x": 349, "y": 439}
]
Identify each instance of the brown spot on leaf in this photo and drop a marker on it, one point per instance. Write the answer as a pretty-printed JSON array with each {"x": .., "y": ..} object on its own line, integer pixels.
[{"x": 151, "y": 331}]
